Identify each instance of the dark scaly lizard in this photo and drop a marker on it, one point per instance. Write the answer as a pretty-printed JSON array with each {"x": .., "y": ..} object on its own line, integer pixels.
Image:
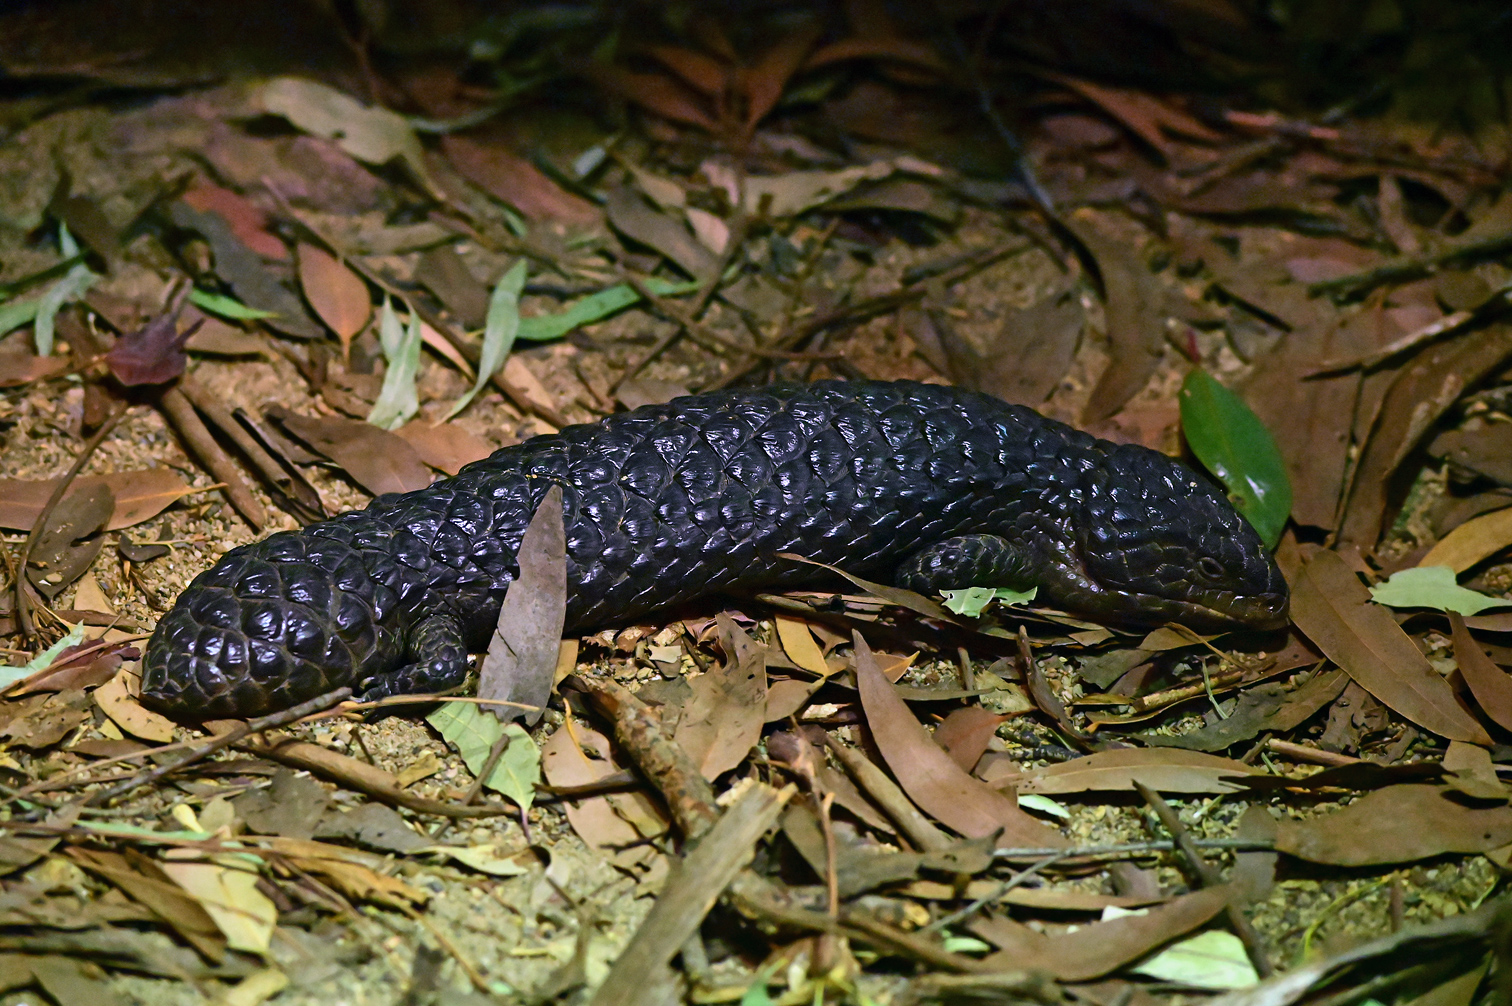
[{"x": 929, "y": 487}]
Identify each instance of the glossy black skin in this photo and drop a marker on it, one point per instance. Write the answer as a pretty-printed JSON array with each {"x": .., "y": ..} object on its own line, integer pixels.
[{"x": 928, "y": 486}]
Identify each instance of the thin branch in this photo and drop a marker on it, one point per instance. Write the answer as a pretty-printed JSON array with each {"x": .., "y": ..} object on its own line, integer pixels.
[
  {"x": 1210, "y": 877},
  {"x": 216, "y": 743},
  {"x": 23, "y": 600}
]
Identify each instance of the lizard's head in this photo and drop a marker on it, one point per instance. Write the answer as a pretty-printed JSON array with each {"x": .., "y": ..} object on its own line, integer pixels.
[{"x": 1155, "y": 538}]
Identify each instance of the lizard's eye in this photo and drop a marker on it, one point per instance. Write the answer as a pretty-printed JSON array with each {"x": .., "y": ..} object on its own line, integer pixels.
[{"x": 1210, "y": 568}]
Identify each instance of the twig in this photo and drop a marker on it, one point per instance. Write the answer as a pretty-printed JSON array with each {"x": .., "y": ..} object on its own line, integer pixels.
[
  {"x": 686, "y": 323},
  {"x": 263, "y": 463},
  {"x": 1413, "y": 267},
  {"x": 476, "y": 789},
  {"x": 1210, "y": 877},
  {"x": 638, "y": 728},
  {"x": 889, "y": 796},
  {"x": 359, "y": 775},
  {"x": 450, "y": 946},
  {"x": 691, "y": 799},
  {"x": 701, "y": 332},
  {"x": 197, "y": 437},
  {"x": 1124, "y": 849},
  {"x": 216, "y": 743},
  {"x": 913, "y": 289},
  {"x": 1017, "y": 880},
  {"x": 1310, "y": 755},
  {"x": 23, "y": 601}
]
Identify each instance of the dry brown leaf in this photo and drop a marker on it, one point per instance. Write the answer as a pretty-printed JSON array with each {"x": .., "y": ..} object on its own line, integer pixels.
[
  {"x": 1134, "y": 321},
  {"x": 359, "y": 882},
  {"x": 1101, "y": 947},
  {"x": 139, "y": 495},
  {"x": 523, "y": 381},
  {"x": 17, "y": 369},
  {"x": 1418, "y": 396},
  {"x": 142, "y": 879},
  {"x": 765, "y": 80},
  {"x": 71, "y": 981},
  {"x": 1398, "y": 824},
  {"x": 44, "y": 720},
  {"x": 1254, "y": 873},
  {"x": 926, "y": 773},
  {"x": 511, "y": 178},
  {"x": 89, "y": 597},
  {"x": 880, "y": 47},
  {"x": 1333, "y": 608},
  {"x": 117, "y": 699},
  {"x": 443, "y": 272},
  {"x": 596, "y": 819},
  {"x": 1490, "y": 685},
  {"x": 340, "y": 298},
  {"x": 704, "y": 73},
  {"x": 247, "y": 221},
  {"x": 1472, "y": 542},
  {"x": 230, "y": 895},
  {"x": 965, "y": 734},
  {"x": 798, "y": 643},
  {"x": 1468, "y": 769},
  {"x": 1026, "y": 357},
  {"x": 444, "y": 446},
  {"x": 1165, "y": 770},
  {"x": 521, "y": 662},
  {"x": 655, "y": 92},
  {"x": 1311, "y": 416},
  {"x": 68, "y": 545},
  {"x": 1146, "y": 116},
  {"x": 638, "y": 220},
  {"x": 722, "y": 720},
  {"x": 380, "y": 461}
]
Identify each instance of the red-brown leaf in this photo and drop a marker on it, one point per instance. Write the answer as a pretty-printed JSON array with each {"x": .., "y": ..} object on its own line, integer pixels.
[
  {"x": 657, "y": 93},
  {"x": 380, "y": 461},
  {"x": 1490, "y": 685},
  {"x": 765, "y": 80},
  {"x": 703, "y": 73},
  {"x": 965, "y": 734},
  {"x": 938, "y": 785},
  {"x": 336, "y": 293},
  {"x": 1333, "y": 608},
  {"x": 1099, "y": 948},
  {"x": 153, "y": 354},
  {"x": 898, "y": 50},
  {"x": 1399, "y": 824}
]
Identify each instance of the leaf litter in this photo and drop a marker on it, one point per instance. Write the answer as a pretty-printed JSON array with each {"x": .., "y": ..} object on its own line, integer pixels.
[{"x": 1330, "y": 292}]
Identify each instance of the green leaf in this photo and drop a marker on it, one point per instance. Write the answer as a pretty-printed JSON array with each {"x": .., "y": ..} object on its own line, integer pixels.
[
  {"x": 18, "y": 313},
  {"x": 972, "y": 601},
  {"x": 8, "y": 675},
  {"x": 397, "y": 400},
  {"x": 1210, "y": 960},
  {"x": 71, "y": 287},
  {"x": 1043, "y": 805},
  {"x": 1432, "y": 587},
  {"x": 596, "y": 307},
  {"x": 965, "y": 945},
  {"x": 1233, "y": 444},
  {"x": 756, "y": 993},
  {"x": 473, "y": 732},
  {"x": 499, "y": 330},
  {"x": 226, "y": 307},
  {"x": 124, "y": 830}
]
